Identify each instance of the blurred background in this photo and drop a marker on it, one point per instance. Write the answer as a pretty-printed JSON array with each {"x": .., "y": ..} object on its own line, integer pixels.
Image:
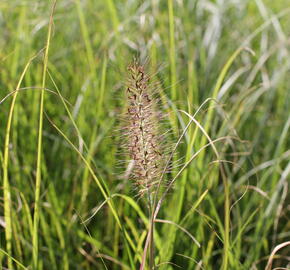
[{"x": 235, "y": 51}]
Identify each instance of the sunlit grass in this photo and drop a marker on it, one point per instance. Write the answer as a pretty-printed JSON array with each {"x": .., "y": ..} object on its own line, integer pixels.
[{"x": 222, "y": 71}]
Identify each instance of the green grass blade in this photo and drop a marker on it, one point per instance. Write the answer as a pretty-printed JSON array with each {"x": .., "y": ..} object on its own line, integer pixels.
[
  {"x": 39, "y": 149},
  {"x": 6, "y": 185}
]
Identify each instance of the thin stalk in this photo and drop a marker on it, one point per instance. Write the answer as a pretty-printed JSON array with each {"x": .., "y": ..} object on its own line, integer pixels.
[
  {"x": 226, "y": 246},
  {"x": 172, "y": 50},
  {"x": 151, "y": 241},
  {"x": 85, "y": 34},
  {"x": 39, "y": 148},
  {"x": 6, "y": 185}
]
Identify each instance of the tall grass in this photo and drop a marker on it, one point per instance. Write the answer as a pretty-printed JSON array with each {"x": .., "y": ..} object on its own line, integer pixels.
[
  {"x": 39, "y": 148},
  {"x": 222, "y": 68}
]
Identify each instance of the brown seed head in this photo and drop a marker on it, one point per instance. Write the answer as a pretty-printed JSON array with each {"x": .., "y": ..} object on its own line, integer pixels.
[{"x": 143, "y": 139}]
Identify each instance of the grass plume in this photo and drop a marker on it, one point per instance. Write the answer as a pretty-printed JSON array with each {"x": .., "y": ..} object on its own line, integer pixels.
[{"x": 143, "y": 138}]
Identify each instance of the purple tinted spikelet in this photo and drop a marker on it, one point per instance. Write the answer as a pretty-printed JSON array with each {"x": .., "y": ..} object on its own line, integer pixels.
[{"x": 142, "y": 133}]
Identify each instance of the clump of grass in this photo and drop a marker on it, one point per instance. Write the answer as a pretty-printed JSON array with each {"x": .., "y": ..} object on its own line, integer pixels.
[{"x": 240, "y": 223}]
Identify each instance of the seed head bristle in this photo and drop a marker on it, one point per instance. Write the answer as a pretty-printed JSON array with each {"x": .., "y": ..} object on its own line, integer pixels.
[{"x": 142, "y": 132}]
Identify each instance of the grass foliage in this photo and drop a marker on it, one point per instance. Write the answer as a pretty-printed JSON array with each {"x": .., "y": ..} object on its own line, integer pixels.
[{"x": 223, "y": 73}]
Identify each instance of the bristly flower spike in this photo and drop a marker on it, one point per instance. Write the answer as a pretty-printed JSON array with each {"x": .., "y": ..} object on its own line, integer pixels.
[{"x": 142, "y": 133}]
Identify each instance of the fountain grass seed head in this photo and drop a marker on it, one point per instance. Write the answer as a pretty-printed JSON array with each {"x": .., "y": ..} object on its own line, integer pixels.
[{"x": 144, "y": 138}]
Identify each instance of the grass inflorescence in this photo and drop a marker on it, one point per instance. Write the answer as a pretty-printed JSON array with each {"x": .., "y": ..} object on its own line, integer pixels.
[
  {"x": 144, "y": 136},
  {"x": 222, "y": 96}
]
